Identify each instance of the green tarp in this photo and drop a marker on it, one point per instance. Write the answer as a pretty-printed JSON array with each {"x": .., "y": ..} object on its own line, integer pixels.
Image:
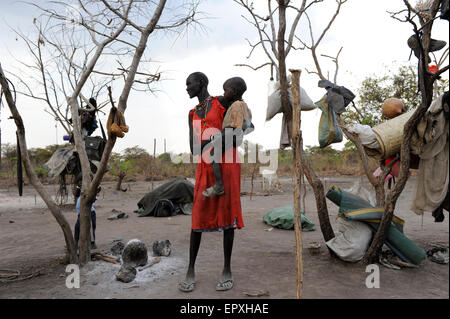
[{"x": 283, "y": 217}]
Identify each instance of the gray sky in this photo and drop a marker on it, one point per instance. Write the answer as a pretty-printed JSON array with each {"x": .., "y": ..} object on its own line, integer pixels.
[{"x": 372, "y": 43}]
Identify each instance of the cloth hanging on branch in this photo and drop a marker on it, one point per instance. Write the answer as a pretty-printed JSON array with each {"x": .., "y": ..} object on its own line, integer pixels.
[
  {"x": 337, "y": 97},
  {"x": 116, "y": 123},
  {"x": 430, "y": 142},
  {"x": 285, "y": 138}
]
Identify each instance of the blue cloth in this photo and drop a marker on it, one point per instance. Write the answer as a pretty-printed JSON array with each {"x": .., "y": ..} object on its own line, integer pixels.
[
  {"x": 79, "y": 203},
  {"x": 217, "y": 229},
  {"x": 93, "y": 223}
]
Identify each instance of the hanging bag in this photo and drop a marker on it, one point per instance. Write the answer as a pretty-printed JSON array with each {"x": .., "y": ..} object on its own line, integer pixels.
[{"x": 329, "y": 132}]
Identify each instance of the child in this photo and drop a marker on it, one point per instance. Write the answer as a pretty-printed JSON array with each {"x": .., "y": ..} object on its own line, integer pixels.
[{"x": 238, "y": 117}]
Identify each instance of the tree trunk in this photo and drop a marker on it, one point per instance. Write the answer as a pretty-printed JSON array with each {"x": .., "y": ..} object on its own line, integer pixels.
[
  {"x": 120, "y": 180},
  {"x": 380, "y": 194},
  {"x": 85, "y": 229},
  {"x": 287, "y": 111},
  {"x": 90, "y": 187},
  {"x": 316, "y": 184},
  {"x": 34, "y": 180},
  {"x": 319, "y": 193}
]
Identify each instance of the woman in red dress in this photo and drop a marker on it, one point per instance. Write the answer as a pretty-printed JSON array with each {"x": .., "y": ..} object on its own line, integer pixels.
[{"x": 218, "y": 213}]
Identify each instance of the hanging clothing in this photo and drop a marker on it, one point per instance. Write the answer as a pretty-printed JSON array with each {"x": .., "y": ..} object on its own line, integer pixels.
[
  {"x": 337, "y": 97},
  {"x": 285, "y": 138},
  {"x": 218, "y": 212},
  {"x": 431, "y": 143}
]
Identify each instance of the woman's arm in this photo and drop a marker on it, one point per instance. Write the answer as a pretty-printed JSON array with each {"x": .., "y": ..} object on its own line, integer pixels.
[
  {"x": 191, "y": 137},
  {"x": 191, "y": 132}
]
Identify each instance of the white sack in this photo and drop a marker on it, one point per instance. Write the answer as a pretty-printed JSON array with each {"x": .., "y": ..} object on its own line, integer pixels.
[
  {"x": 351, "y": 241},
  {"x": 274, "y": 102},
  {"x": 366, "y": 135}
]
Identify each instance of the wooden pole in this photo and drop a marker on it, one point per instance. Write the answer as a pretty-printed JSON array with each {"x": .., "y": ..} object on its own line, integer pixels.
[
  {"x": 296, "y": 148},
  {"x": 165, "y": 150}
]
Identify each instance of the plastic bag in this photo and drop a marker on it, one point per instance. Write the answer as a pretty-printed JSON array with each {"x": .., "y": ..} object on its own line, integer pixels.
[
  {"x": 359, "y": 190},
  {"x": 366, "y": 135}
]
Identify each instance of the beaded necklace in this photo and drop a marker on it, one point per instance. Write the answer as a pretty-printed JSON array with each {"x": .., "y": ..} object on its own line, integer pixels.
[{"x": 202, "y": 108}]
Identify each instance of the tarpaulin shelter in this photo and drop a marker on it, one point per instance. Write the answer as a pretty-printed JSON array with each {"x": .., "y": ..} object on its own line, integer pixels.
[{"x": 178, "y": 191}]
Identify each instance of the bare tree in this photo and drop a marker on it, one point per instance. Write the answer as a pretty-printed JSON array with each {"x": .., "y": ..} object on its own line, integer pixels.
[
  {"x": 426, "y": 82},
  {"x": 274, "y": 43},
  {"x": 277, "y": 43},
  {"x": 85, "y": 41}
]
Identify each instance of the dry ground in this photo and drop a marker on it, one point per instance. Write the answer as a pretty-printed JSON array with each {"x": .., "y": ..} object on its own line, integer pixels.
[{"x": 30, "y": 240}]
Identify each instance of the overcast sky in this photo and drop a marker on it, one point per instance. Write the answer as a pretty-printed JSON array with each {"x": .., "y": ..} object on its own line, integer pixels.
[{"x": 372, "y": 43}]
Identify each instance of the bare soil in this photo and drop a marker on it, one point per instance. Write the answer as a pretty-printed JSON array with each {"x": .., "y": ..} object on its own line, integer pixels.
[{"x": 263, "y": 258}]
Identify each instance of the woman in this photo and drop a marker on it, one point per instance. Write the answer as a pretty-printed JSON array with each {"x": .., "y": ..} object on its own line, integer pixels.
[{"x": 219, "y": 213}]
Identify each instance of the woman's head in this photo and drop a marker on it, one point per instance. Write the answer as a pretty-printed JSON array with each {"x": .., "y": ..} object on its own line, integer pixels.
[{"x": 195, "y": 83}]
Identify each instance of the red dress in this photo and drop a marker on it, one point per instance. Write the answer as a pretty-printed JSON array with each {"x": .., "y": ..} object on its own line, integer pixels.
[{"x": 224, "y": 211}]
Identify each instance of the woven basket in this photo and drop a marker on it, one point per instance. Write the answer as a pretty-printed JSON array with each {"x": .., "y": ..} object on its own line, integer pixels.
[{"x": 389, "y": 135}]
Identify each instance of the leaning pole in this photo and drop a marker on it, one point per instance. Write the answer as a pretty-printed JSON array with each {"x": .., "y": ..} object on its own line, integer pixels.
[{"x": 297, "y": 148}]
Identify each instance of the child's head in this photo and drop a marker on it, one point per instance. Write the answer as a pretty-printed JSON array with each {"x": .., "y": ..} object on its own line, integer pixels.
[{"x": 234, "y": 88}]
